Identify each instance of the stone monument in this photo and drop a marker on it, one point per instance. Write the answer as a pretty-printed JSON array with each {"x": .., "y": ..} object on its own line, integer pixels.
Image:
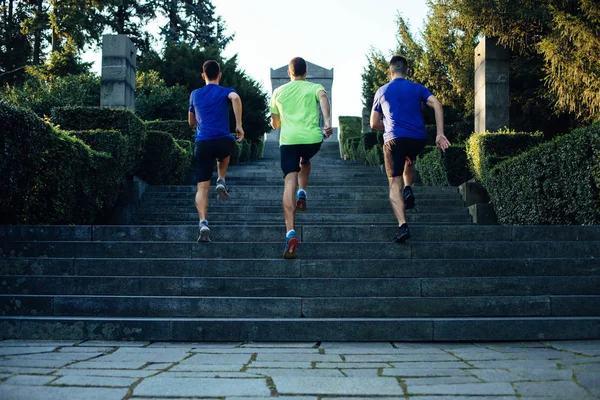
[
  {"x": 491, "y": 86},
  {"x": 316, "y": 74},
  {"x": 118, "y": 72}
]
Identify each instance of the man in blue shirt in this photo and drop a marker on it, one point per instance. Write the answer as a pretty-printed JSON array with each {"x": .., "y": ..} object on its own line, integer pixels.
[
  {"x": 397, "y": 111},
  {"x": 209, "y": 111}
]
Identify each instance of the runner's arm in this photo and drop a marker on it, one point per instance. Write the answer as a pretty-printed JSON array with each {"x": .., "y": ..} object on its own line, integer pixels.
[
  {"x": 326, "y": 110},
  {"x": 275, "y": 121},
  {"x": 377, "y": 121},
  {"x": 192, "y": 119},
  {"x": 236, "y": 102},
  {"x": 440, "y": 140}
]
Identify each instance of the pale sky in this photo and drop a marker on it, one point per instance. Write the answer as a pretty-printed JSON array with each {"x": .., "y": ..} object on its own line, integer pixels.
[{"x": 331, "y": 33}]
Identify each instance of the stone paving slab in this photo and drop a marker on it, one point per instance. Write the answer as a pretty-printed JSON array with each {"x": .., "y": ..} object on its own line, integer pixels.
[
  {"x": 8, "y": 351},
  {"x": 538, "y": 370},
  {"x": 180, "y": 387},
  {"x": 104, "y": 381},
  {"x": 133, "y": 373},
  {"x": 471, "y": 389},
  {"x": 423, "y": 372},
  {"x": 551, "y": 389},
  {"x": 342, "y": 386},
  {"x": 105, "y": 343},
  {"x": 207, "y": 367},
  {"x": 9, "y": 392},
  {"x": 144, "y": 354},
  {"x": 29, "y": 380},
  {"x": 108, "y": 365}
]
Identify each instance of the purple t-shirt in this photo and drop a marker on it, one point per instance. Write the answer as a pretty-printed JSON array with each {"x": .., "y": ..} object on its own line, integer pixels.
[
  {"x": 400, "y": 103},
  {"x": 210, "y": 104}
]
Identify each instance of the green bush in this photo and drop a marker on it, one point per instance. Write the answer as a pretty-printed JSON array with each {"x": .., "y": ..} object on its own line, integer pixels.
[
  {"x": 154, "y": 100},
  {"x": 49, "y": 177},
  {"x": 235, "y": 155},
  {"x": 485, "y": 150},
  {"x": 437, "y": 168},
  {"x": 187, "y": 145},
  {"x": 375, "y": 156},
  {"x": 42, "y": 93},
  {"x": 256, "y": 148},
  {"x": 350, "y": 127},
  {"x": 261, "y": 148},
  {"x": 107, "y": 141},
  {"x": 121, "y": 119},
  {"x": 554, "y": 183},
  {"x": 177, "y": 129},
  {"x": 245, "y": 152},
  {"x": 164, "y": 161}
]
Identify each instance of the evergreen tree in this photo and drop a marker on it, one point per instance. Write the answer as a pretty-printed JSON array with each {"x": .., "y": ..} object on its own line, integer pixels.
[{"x": 15, "y": 48}]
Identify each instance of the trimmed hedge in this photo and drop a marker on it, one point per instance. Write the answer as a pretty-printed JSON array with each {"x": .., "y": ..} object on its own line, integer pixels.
[
  {"x": 164, "y": 161},
  {"x": 555, "y": 183},
  {"x": 370, "y": 140},
  {"x": 437, "y": 168},
  {"x": 485, "y": 150},
  {"x": 350, "y": 127},
  {"x": 375, "y": 156},
  {"x": 49, "y": 177},
  {"x": 177, "y": 129},
  {"x": 121, "y": 119},
  {"x": 107, "y": 141}
]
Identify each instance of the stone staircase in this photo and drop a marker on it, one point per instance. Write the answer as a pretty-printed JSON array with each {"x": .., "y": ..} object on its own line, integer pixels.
[{"x": 452, "y": 281}]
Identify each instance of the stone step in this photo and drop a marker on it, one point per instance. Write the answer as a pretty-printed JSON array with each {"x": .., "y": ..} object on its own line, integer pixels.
[
  {"x": 337, "y": 196},
  {"x": 295, "y": 307},
  {"x": 306, "y": 250},
  {"x": 189, "y": 218},
  {"x": 309, "y": 233},
  {"x": 383, "y": 204},
  {"x": 300, "y": 329},
  {"x": 300, "y": 268},
  {"x": 322, "y": 190},
  {"x": 301, "y": 287},
  {"x": 219, "y": 208}
]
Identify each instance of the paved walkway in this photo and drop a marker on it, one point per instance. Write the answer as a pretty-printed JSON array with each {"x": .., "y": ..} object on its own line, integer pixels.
[{"x": 300, "y": 371}]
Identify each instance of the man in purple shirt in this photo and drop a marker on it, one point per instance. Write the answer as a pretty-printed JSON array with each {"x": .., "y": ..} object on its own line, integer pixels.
[
  {"x": 209, "y": 111},
  {"x": 397, "y": 112}
]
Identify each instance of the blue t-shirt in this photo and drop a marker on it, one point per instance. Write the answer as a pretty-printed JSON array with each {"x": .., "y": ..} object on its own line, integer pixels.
[
  {"x": 400, "y": 103},
  {"x": 210, "y": 104}
]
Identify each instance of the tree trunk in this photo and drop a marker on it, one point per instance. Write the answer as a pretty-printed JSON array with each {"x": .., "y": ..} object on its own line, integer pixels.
[{"x": 37, "y": 37}]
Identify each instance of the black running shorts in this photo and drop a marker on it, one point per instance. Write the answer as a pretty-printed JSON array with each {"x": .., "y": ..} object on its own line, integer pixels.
[
  {"x": 205, "y": 153},
  {"x": 292, "y": 153},
  {"x": 395, "y": 152}
]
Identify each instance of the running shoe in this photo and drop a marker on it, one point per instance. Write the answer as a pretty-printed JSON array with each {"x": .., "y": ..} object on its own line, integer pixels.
[
  {"x": 409, "y": 198},
  {"x": 204, "y": 232},
  {"x": 402, "y": 234},
  {"x": 291, "y": 244},
  {"x": 222, "y": 192},
  {"x": 301, "y": 200}
]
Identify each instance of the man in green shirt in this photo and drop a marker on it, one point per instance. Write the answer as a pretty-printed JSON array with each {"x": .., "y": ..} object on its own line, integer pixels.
[{"x": 294, "y": 109}]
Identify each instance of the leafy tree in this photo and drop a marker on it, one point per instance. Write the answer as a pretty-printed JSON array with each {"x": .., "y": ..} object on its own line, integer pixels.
[
  {"x": 124, "y": 16},
  {"x": 154, "y": 100},
  {"x": 15, "y": 48},
  {"x": 562, "y": 34},
  {"x": 42, "y": 93}
]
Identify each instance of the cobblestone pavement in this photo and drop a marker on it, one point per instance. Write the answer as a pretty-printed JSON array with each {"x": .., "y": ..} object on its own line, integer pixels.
[{"x": 300, "y": 371}]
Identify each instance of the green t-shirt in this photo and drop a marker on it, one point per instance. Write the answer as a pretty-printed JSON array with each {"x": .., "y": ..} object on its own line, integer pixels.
[{"x": 297, "y": 104}]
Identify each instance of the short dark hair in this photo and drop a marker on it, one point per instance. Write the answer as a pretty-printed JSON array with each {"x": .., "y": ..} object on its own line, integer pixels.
[
  {"x": 297, "y": 66},
  {"x": 399, "y": 64},
  {"x": 211, "y": 69}
]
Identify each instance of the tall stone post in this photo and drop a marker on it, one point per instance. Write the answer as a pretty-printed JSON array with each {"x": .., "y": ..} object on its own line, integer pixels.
[
  {"x": 118, "y": 72},
  {"x": 366, "y": 120},
  {"x": 491, "y": 86}
]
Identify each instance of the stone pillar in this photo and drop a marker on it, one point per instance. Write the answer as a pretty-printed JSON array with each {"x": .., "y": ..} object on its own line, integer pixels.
[
  {"x": 491, "y": 86},
  {"x": 366, "y": 120},
  {"x": 118, "y": 72}
]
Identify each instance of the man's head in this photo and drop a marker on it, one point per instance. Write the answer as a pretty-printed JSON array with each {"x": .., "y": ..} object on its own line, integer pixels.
[
  {"x": 297, "y": 68},
  {"x": 398, "y": 66},
  {"x": 211, "y": 70}
]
